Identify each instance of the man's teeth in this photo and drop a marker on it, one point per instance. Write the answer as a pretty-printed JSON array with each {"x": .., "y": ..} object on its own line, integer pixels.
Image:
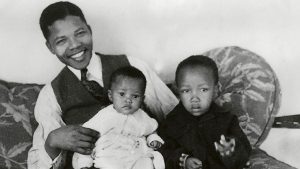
[{"x": 76, "y": 56}]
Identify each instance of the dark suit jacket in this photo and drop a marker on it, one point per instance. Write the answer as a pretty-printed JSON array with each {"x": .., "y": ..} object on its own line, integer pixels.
[{"x": 195, "y": 136}]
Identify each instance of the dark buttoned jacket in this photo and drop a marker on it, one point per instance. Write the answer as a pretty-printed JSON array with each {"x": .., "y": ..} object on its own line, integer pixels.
[{"x": 195, "y": 136}]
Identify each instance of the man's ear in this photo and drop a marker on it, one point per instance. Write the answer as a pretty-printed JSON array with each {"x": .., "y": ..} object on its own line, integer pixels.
[
  {"x": 89, "y": 27},
  {"x": 50, "y": 47},
  {"x": 109, "y": 94}
]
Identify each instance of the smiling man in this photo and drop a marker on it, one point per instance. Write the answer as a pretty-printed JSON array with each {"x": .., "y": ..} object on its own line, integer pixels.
[
  {"x": 79, "y": 91},
  {"x": 70, "y": 39}
]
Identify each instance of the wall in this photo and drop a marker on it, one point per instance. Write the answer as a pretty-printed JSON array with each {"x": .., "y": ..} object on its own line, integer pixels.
[{"x": 162, "y": 32}]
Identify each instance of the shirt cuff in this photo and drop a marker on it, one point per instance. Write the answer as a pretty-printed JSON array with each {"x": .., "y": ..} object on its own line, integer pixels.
[{"x": 47, "y": 161}]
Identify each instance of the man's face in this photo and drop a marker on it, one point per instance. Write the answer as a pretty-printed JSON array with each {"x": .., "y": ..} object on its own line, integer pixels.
[
  {"x": 70, "y": 39},
  {"x": 126, "y": 94},
  {"x": 196, "y": 89}
]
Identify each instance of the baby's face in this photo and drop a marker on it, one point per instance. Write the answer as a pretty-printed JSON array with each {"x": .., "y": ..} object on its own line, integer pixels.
[
  {"x": 126, "y": 94},
  {"x": 196, "y": 88}
]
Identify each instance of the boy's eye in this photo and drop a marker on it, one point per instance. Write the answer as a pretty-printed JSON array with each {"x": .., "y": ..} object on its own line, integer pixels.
[
  {"x": 203, "y": 89},
  {"x": 184, "y": 90},
  {"x": 135, "y": 96}
]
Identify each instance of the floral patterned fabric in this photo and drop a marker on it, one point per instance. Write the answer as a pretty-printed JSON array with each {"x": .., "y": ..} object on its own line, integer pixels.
[
  {"x": 261, "y": 160},
  {"x": 249, "y": 86},
  {"x": 16, "y": 123}
]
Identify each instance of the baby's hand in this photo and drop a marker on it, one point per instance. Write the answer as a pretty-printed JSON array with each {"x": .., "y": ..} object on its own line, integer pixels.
[
  {"x": 155, "y": 144},
  {"x": 193, "y": 163},
  {"x": 225, "y": 147}
]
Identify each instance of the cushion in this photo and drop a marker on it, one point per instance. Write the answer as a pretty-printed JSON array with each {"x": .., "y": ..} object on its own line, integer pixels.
[
  {"x": 250, "y": 88},
  {"x": 16, "y": 122}
]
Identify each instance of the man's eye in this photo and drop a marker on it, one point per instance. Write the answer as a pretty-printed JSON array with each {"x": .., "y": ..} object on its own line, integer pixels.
[
  {"x": 60, "y": 41},
  {"x": 80, "y": 33}
]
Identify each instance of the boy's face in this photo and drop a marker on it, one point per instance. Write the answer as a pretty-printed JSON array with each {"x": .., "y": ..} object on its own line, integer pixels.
[
  {"x": 70, "y": 39},
  {"x": 126, "y": 94},
  {"x": 196, "y": 88}
]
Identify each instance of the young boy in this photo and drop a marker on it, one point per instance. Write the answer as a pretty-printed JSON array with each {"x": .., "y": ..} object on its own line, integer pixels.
[
  {"x": 197, "y": 132},
  {"x": 128, "y": 138}
]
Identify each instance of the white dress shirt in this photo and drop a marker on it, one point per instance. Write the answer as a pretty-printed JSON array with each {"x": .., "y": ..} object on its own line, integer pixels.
[{"x": 158, "y": 98}]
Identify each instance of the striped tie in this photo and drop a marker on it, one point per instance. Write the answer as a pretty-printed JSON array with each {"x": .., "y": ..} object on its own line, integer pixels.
[{"x": 92, "y": 86}]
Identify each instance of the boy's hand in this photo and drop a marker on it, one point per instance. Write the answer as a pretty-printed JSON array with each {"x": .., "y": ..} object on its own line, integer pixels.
[
  {"x": 155, "y": 144},
  {"x": 225, "y": 147},
  {"x": 193, "y": 163}
]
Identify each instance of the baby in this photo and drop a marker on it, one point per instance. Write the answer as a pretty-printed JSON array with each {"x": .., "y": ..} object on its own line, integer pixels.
[
  {"x": 128, "y": 139},
  {"x": 197, "y": 132}
]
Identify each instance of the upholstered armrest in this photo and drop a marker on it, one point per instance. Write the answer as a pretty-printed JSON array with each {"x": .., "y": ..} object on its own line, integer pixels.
[
  {"x": 259, "y": 159},
  {"x": 17, "y": 123},
  {"x": 291, "y": 121}
]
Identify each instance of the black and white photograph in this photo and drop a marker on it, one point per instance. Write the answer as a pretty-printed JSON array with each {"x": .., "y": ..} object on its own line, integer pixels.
[{"x": 149, "y": 84}]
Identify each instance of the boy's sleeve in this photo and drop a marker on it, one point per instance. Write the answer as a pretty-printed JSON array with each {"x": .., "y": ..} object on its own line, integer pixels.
[
  {"x": 171, "y": 150},
  {"x": 242, "y": 147},
  {"x": 171, "y": 153}
]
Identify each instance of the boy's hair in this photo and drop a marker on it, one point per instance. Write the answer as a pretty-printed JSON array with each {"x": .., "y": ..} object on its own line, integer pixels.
[
  {"x": 128, "y": 71},
  {"x": 57, "y": 11},
  {"x": 198, "y": 60}
]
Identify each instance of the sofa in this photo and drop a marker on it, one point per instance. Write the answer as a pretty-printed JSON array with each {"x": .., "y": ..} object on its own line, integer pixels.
[{"x": 248, "y": 86}]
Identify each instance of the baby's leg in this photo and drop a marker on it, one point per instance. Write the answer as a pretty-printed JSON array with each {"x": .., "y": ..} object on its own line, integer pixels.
[
  {"x": 108, "y": 163},
  {"x": 145, "y": 163},
  {"x": 80, "y": 161}
]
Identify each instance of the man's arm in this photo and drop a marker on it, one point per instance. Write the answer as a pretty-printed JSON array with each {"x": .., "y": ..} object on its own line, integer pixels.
[
  {"x": 53, "y": 136},
  {"x": 48, "y": 115},
  {"x": 159, "y": 98}
]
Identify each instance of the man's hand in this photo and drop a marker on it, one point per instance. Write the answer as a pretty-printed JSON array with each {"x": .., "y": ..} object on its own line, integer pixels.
[
  {"x": 72, "y": 138},
  {"x": 225, "y": 147},
  {"x": 155, "y": 144},
  {"x": 193, "y": 163}
]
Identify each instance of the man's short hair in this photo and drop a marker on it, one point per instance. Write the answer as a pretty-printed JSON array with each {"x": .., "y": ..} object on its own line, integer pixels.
[
  {"x": 57, "y": 11},
  {"x": 198, "y": 60},
  {"x": 128, "y": 71}
]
